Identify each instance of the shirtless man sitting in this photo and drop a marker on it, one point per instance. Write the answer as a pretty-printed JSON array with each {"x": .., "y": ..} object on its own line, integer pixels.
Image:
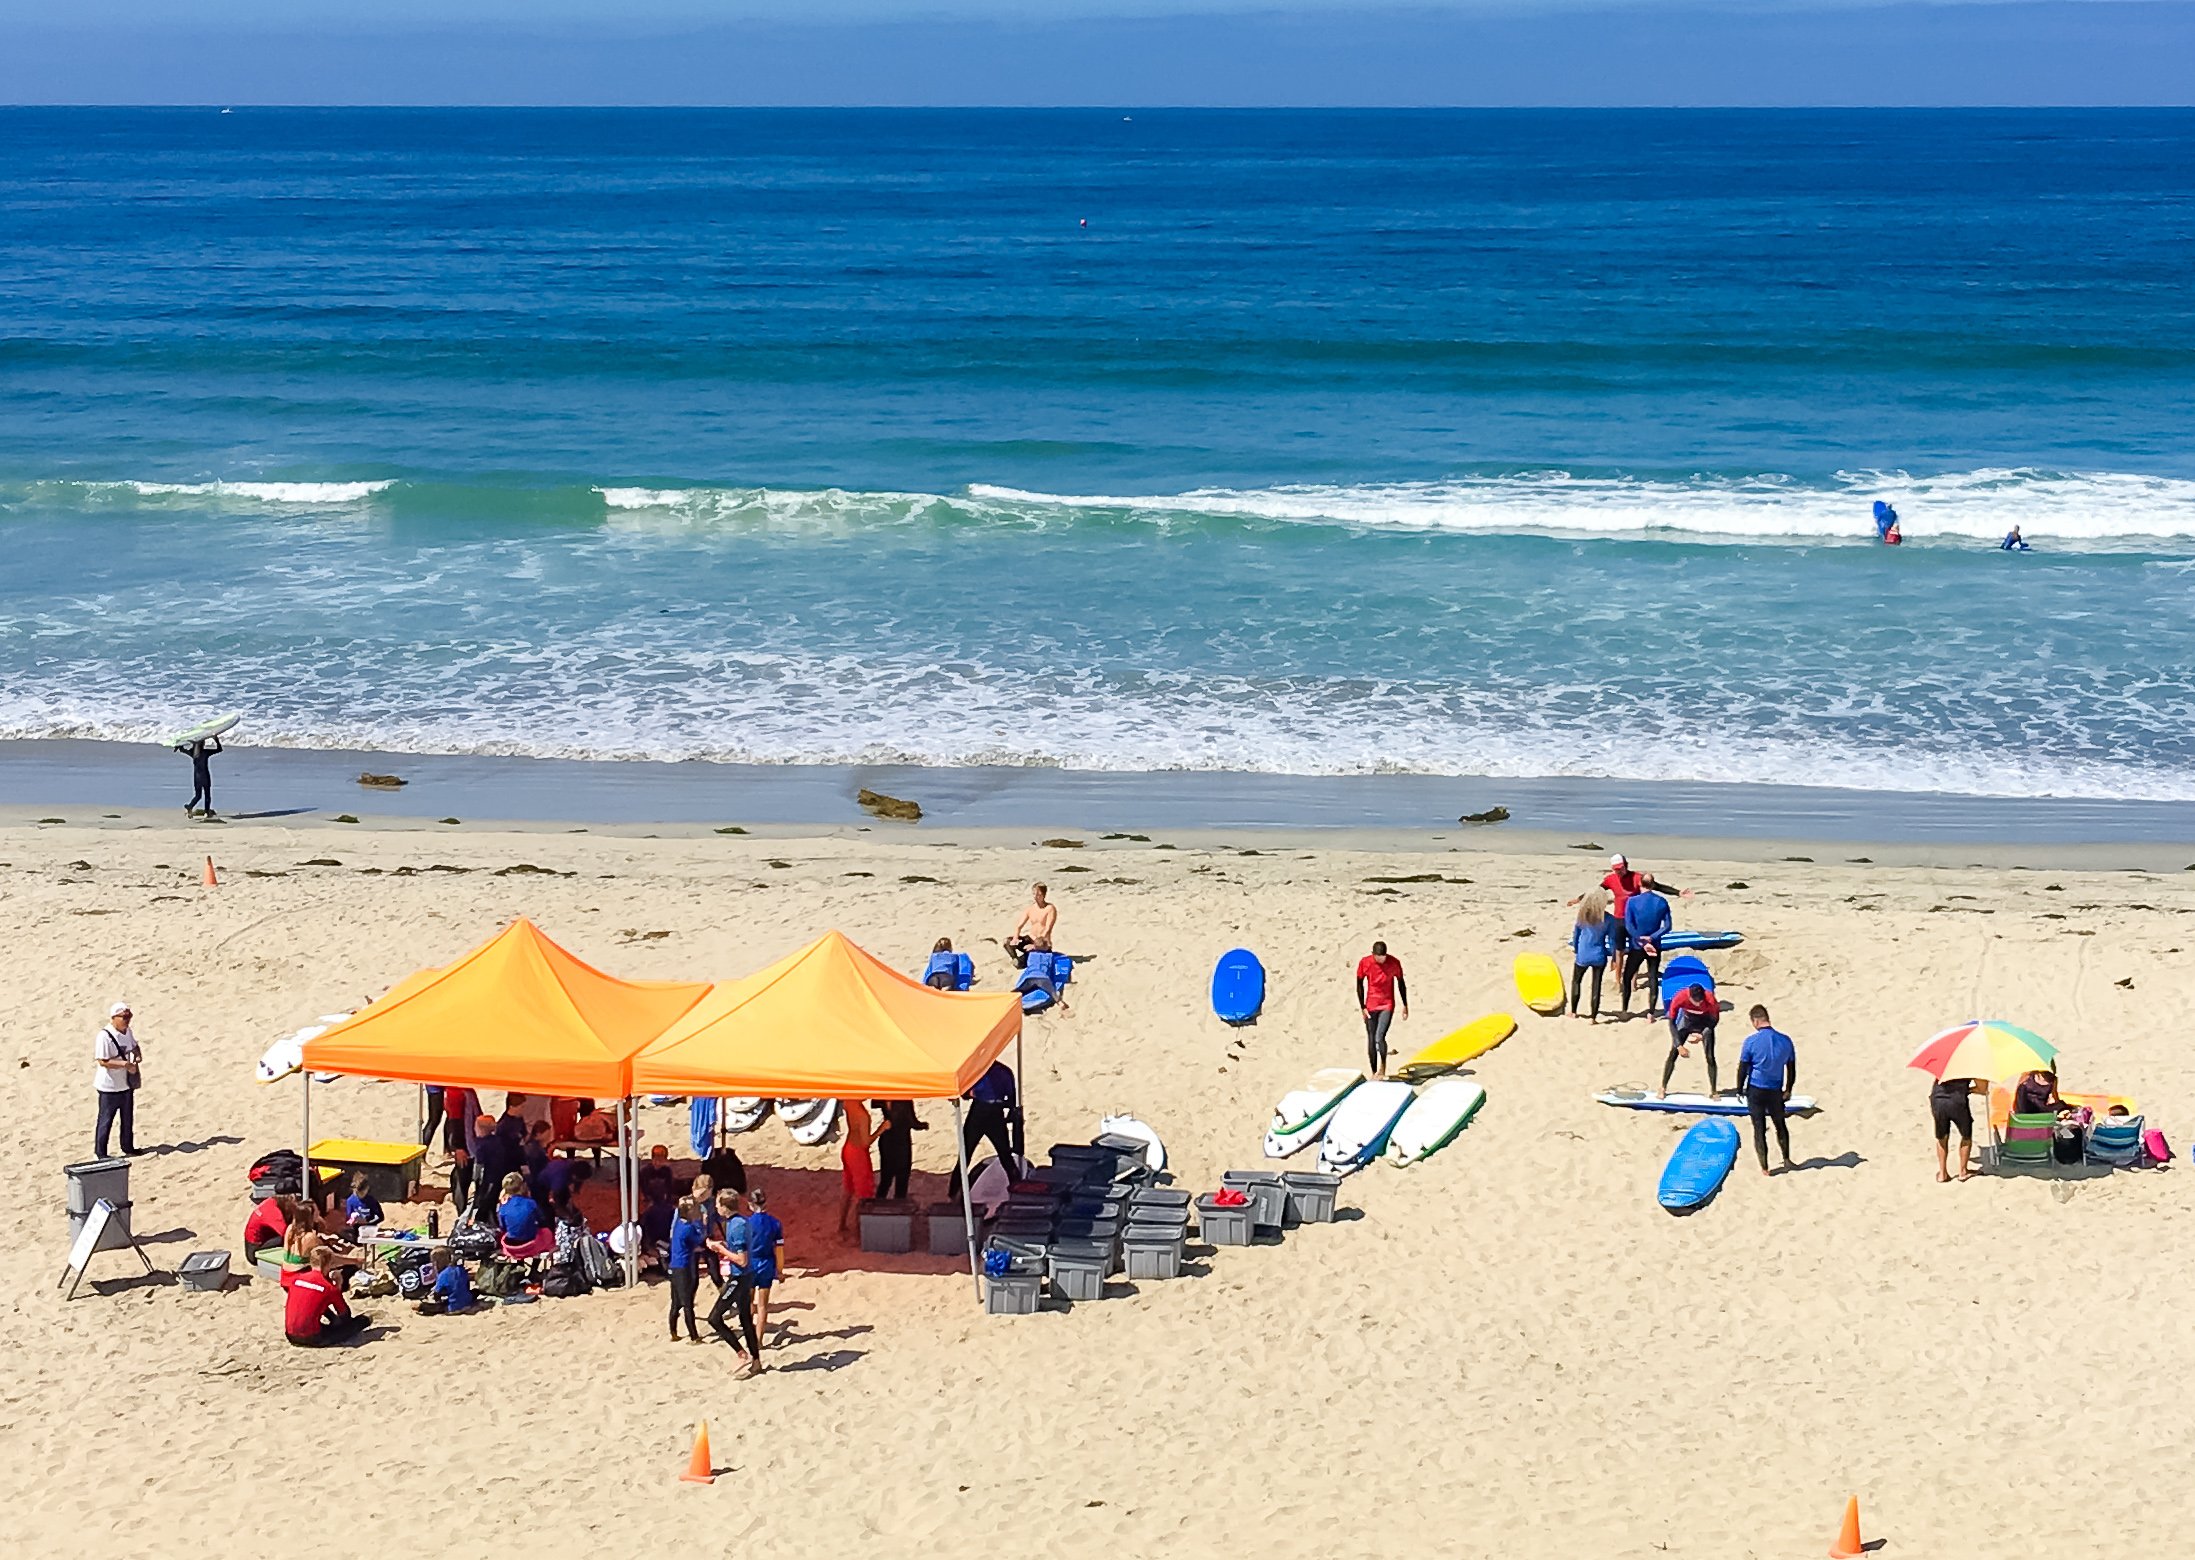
[{"x": 1033, "y": 932}]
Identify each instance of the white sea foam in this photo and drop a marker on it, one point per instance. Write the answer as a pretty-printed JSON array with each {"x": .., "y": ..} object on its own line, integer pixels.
[
  {"x": 266, "y": 492},
  {"x": 2053, "y": 507}
]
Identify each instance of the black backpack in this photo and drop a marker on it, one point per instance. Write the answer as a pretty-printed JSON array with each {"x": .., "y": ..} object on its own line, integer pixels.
[
  {"x": 600, "y": 1268},
  {"x": 474, "y": 1243},
  {"x": 563, "y": 1283}
]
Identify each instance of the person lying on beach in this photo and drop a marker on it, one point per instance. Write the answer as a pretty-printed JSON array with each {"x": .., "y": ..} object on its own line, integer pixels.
[
  {"x": 1033, "y": 931},
  {"x": 939, "y": 972},
  {"x": 1693, "y": 1013}
]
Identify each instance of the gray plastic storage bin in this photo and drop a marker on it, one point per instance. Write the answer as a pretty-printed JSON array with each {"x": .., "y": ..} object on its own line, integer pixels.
[
  {"x": 1157, "y": 1258},
  {"x": 205, "y": 1270},
  {"x": 1079, "y": 1267},
  {"x": 1311, "y": 1195},
  {"x": 1132, "y": 1165},
  {"x": 948, "y": 1232},
  {"x": 1223, "y": 1226},
  {"x": 1023, "y": 1251},
  {"x": 1158, "y": 1197},
  {"x": 887, "y": 1226},
  {"x": 1013, "y": 1295},
  {"x": 1268, "y": 1197}
]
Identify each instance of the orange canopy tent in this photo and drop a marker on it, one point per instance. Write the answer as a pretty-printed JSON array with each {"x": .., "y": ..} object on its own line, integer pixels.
[
  {"x": 835, "y": 1022},
  {"x": 829, "y": 1022},
  {"x": 518, "y": 1012}
]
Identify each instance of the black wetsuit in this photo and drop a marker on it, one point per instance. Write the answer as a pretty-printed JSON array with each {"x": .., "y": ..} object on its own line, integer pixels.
[{"x": 201, "y": 754}]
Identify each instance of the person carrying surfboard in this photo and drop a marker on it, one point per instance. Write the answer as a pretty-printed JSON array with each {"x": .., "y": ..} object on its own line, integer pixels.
[
  {"x": 1381, "y": 993},
  {"x": 200, "y": 753}
]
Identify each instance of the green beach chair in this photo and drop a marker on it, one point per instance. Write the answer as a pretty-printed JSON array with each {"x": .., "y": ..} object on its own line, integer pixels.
[{"x": 2026, "y": 1143}]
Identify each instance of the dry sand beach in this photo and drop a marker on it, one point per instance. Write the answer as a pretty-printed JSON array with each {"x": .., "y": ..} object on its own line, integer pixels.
[{"x": 1508, "y": 1350}]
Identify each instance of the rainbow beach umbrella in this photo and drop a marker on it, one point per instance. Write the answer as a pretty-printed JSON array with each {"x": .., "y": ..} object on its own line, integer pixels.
[{"x": 1984, "y": 1048}]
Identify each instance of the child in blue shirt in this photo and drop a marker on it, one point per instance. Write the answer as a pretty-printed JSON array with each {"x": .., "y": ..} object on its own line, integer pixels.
[
  {"x": 765, "y": 1235},
  {"x": 453, "y": 1289},
  {"x": 361, "y": 1207},
  {"x": 688, "y": 1233}
]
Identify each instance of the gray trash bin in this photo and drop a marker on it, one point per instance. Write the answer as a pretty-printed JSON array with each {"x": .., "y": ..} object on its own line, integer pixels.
[
  {"x": 1013, "y": 1294},
  {"x": 1154, "y": 1250},
  {"x": 1311, "y": 1195},
  {"x": 1268, "y": 1197},
  {"x": 887, "y": 1226},
  {"x": 1223, "y": 1226},
  {"x": 949, "y": 1231},
  {"x": 91, "y": 1180},
  {"x": 1079, "y": 1268}
]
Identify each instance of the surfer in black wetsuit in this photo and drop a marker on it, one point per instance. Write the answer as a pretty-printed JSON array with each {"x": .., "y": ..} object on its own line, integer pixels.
[{"x": 201, "y": 754}]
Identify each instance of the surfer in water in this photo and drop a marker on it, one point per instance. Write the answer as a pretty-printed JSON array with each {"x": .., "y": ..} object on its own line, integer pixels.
[
  {"x": 201, "y": 754},
  {"x": 2014, "y": 542},
  {"x": 1886, "y": 525}
]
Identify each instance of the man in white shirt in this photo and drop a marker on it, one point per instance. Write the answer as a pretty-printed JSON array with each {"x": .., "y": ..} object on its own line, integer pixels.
[{"x": 116, "y": 1055}]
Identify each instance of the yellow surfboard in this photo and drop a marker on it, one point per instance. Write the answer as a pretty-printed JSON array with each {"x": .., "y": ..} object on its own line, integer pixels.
[
  {"x": 1539, "y": 983},
  {"x": 1470, "y": 1042}
]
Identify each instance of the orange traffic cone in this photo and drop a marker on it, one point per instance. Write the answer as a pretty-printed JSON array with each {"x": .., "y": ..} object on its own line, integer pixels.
[
  {"x": 1848, "y": 1537},
  {"x": 209, "y": 879},
  {"x": 699, "y": 1470}
]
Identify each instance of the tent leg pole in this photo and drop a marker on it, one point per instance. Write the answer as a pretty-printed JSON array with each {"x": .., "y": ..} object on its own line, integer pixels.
[
  {"x": 624, "y": 1190},
  {"x": 967, "y": 1199},
  {"x": 1021, "y": 1096},
  {"x": 304, "y": 1146}
]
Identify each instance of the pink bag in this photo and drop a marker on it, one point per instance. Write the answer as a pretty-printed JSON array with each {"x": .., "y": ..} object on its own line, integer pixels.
[{"x": 2155, "y": 1146}]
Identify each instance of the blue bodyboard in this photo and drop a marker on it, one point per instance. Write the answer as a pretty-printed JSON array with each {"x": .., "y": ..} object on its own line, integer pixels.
[
  {"x": 1238, "y": 986},
  {"x": 1684, "y": 970},
  {"x": 1698, "y": 1165}
]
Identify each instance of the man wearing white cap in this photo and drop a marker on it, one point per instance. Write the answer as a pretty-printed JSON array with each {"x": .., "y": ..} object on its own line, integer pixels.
[{"x": 115, "y": 1077}]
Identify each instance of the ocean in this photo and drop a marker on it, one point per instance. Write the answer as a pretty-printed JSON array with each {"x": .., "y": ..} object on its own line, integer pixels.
[{"x": 1502, "y": 444}]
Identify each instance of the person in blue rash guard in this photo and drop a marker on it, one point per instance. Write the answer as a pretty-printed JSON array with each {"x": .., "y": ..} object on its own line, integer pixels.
[
  {"x": 2014, "y": 542},
  {"x": 1646, "y": 921}
]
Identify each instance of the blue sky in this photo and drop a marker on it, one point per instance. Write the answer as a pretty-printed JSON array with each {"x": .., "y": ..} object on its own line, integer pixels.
[{"x": 1126, "y": 52}]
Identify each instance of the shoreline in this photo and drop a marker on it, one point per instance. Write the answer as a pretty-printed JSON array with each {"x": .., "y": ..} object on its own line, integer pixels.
[{"x": 131, "y": 786}]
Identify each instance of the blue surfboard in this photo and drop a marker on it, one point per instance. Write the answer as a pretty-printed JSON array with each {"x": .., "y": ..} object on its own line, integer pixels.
[
  {"x": 1675, "y": 942},
  {"x": 1238, "y": 986},
  {"x": 1684, "y": 970},
  {"x": 1698, "y": 1165}
]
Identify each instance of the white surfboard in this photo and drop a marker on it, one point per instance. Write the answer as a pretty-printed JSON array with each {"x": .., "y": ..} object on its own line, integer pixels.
[
  {"x": 201, "y": 731},
  {"x": 744, "y": 1115},
  {"x": 794, "y": 1112},
  {"x": 818, "y": 1128},
  {"x": 1441, "y": 1110},
  {"x": 1301, "y": 1116},
  {"x": 1358, "y": 1128}
]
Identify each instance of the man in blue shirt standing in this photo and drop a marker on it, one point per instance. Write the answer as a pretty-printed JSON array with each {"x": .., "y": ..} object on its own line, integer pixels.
[
  {"x": 1768, "y": 1070},
  {"x": 1646, "y": 921}
]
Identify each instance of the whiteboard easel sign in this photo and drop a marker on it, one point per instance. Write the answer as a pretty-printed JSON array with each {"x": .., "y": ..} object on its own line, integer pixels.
[{"x": 88, "y": 1240}]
